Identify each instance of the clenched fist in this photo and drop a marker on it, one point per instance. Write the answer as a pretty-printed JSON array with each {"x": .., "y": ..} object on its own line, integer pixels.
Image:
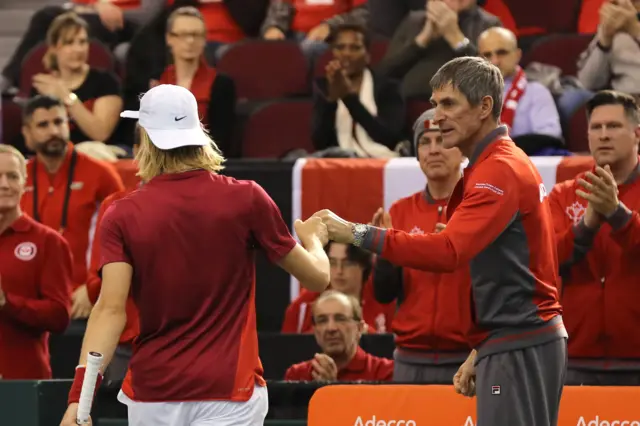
[{"x": 340, "y": 230}]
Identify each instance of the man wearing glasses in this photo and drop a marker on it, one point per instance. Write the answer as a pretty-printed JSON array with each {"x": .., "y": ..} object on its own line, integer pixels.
[{"x": 338, "y": 325}]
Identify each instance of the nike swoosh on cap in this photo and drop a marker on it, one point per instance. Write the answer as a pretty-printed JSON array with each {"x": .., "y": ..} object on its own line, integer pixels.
[{"x": 180, "y": 118}]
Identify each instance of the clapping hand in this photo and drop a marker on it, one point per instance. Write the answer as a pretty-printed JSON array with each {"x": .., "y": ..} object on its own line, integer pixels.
[
  {"x": 50, "y": 85},
  {"x": 340, "y": 85},
  {"x": 382, "y": 219},
  {"x": 324, "y": 368},
  {"x": 601, "y": 191},
  {"x": 310, "y": 229}
]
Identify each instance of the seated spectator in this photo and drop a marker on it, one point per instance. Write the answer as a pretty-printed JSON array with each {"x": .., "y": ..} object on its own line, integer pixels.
[
  {"x": 338, "y": 326},
  {"x": 353, "y": 108},
  {"x": 528, "y": 106},
  {"x": 64, "y": 186},
  {"x": 426, "y": 40},
  {"x": 92, "y": 96},
  {"x": 113, "y": 22},
  {"x": 350, "y": 274},
  {"x": 215, "y": 92},
  {"x": 35, "y": 268},
  {"x": 385, "y": 16},
  {"x": 310, "y": 22},
  {"x": 612, "y": 59}
]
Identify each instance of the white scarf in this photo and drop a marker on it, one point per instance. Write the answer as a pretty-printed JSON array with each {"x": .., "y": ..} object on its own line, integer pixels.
[{"x": 361, "y": 143}]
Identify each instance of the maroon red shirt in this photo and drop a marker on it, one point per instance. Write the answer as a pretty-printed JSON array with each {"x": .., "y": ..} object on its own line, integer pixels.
[
  {"x": 191, "y": 238},
  {"x": 35, "y": 269},
  {"x": 363, "y": 366}
]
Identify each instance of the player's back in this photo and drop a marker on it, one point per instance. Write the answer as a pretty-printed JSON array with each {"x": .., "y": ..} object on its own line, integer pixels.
[{"x": 191, "y": 238}]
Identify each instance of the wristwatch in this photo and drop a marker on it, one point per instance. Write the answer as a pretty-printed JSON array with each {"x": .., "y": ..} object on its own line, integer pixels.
[
  {"x": 71, "y": 99},
  {"x": 359, "y": 231}
]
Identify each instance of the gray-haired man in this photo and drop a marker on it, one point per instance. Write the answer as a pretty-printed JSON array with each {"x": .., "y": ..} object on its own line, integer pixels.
[{"x": 501, "y": 225}]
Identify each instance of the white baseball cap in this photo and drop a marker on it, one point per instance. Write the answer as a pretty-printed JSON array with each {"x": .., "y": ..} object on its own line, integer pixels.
[{"x": 169, "y": 114}]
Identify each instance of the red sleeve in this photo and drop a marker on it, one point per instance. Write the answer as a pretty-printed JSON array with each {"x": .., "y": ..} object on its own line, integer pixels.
[
  {"x": 589, "y": 16},
  {"x": 110, "y": 182},
  {"x": 291, "y": 315},
  {"x": 268, "y": 227},
  {"x": 51, "y": 311},
  {"x": 384, "y": 371},
  {"x": 626, "y": 228},
  {"x": 93, "y": 280},
  {"x": 489, "y": 206},
  {"x": 299, "y": 372},
  {"x": 112, "y": 245}
]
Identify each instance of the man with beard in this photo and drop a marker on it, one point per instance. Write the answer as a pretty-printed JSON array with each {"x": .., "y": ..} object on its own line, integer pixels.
[
  {"x": 338, "y": 326},
  {"x": 35, "y": 279},
  {"x": 64, "y": 187}
]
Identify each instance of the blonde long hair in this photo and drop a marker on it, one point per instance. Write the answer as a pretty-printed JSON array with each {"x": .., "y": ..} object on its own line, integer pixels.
[
  {"x": 153, "y": 161},
  {"x": 8, "y": 149},
  {"x": 63, "y": 27}
]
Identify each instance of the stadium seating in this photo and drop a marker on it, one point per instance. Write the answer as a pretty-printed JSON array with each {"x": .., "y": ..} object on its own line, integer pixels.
[
  {"x": 536, "y": 17},
  {"x": 99, "y": 57},
  {"x": 266, "y": 70},
  {"x": 577, "y": 132},
  {"x": 276, "y": 128},
  {"x": 562, "y": 51},
  {"x": 11, "y": 121}
]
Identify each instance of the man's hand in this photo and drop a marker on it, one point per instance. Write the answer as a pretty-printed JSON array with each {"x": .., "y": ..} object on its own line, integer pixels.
[
  {"x": 382, "y": 219},
  {"x": 274, "y": 33},
  {"x": 592, "y": 219},
  {"x": 602, "y": 190},
  {"x": 81, "y": 306},
  {"x": 310, "y": 229},
  {"x": 632, "y": 26},
  {"x": 324, "y": 368},
  {"x": 111, "y": 16},
  {"x": 71, "y": 415},
  {"x": 445, "y": 21},
  {"x": 613, "y": 18},
  {"x": 429, "y": 32},
  {"x": 440, "y": 227},
  {"x": 340, "y": 230},
  {"x": 319, "y": 32},
  {"x": 340, "y": 85},
  {"x": 3, "y": 298},
  {"x": 464, "y": 381}
]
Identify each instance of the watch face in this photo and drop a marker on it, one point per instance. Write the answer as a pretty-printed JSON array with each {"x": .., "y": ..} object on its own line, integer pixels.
[{"x": 361, "y": 228}]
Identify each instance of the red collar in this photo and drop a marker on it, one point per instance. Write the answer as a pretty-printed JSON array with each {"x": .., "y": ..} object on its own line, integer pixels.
[
  {"x": 484, "y": 147},
  {"x": 358, "y": 363},
  {"x": 22, "y": 224},
  {"x": 64, "y": 167}
]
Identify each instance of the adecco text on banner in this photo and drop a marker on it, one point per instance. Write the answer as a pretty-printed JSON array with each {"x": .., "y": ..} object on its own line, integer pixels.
[{"x": 415, "y": 405}]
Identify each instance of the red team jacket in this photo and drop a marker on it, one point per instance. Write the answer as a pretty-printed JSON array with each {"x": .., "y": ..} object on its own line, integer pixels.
[
  {"x": 499, "y": 222},
  {"x": 377, "y": 316},
  {"x": 434, "y": 314},
  {"x": 363, "y": 366},
  {"x": 600, "y": 269}
]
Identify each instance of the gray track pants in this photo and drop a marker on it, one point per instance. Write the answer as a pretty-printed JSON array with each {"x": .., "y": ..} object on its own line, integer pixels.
[{"x": 521, "y": 387}]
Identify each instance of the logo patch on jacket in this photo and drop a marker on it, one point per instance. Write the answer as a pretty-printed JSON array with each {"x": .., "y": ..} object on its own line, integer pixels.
[{"x": 575, "y": 212}]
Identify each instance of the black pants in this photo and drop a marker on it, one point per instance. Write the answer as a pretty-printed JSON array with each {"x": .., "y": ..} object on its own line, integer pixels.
[{"x": 37, "y": 33}]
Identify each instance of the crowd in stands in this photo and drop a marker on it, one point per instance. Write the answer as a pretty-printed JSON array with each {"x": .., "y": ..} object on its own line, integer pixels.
[{"x": 358, "y": 72}]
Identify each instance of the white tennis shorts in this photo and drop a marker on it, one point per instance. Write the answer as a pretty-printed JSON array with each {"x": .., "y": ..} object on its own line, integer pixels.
[{"x": 206, "y": 413}]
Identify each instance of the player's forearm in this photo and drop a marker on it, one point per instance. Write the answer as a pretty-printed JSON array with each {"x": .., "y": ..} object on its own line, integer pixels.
[
  {"x": 103, "y": 333},
  {"x": 429, "y": 252},
  {"x": 320, "y": 263}
]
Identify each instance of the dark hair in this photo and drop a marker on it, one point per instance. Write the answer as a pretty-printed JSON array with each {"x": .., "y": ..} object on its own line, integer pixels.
[
  {"x": 358, "y": 255},
  {"x": 611, "y": 97},
  {"x": 350, "y": 27},
  {"x": 37, "y": 102},
  {"x": 475, "y": 78},
  {"x": 66, "y": 23}
]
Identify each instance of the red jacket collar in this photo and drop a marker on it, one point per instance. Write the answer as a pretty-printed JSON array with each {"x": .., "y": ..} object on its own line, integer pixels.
[{"x": 358, "y": 363}]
